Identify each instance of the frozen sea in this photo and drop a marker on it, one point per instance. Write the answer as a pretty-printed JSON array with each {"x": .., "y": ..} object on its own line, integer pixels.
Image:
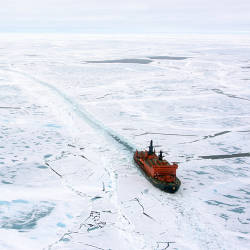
[{"x": 73, "y": 108}]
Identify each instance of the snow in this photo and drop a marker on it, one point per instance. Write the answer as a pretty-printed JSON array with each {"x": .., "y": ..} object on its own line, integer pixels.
[{"x": 74, "y": 107}]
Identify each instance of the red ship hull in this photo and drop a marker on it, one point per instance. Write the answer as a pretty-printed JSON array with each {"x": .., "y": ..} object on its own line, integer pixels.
[{"x": 158, "y": 171}]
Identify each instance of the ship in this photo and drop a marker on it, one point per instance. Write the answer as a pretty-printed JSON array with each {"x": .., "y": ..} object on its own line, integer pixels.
[{"x": 158, "y": 171}]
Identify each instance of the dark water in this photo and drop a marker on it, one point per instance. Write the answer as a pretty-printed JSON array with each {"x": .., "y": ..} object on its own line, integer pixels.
[
  {"x": 139, "y": 61},
  {"x": 168, "y": 57},
  {"x": 213, "y": 157}
]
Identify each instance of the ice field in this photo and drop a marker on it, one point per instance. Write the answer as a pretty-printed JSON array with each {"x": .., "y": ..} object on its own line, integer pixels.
[{"x": 73, "y": 108}]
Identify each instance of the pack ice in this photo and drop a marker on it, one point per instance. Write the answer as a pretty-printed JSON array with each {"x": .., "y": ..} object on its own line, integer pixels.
[{"x": 73, "y": 108}]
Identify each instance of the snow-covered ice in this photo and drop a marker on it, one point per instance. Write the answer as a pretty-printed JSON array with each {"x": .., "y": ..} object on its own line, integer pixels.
[{"x": 74, "y": 107}]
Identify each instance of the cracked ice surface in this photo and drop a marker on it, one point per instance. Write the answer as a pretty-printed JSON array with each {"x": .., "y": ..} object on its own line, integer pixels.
[{"x": 68, "y": 129}]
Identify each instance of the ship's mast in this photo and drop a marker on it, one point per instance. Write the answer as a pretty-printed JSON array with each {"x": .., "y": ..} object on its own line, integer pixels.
[
  {"x": 150, "y": 148},
  {"x": 160, "y": 156}
]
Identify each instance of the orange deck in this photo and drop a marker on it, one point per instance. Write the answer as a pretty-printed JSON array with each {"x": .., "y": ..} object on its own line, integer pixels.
[{"x": 158, "y": 169}]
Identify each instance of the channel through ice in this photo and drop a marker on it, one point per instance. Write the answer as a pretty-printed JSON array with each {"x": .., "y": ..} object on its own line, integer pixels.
[{"x": 73, "y": 108}]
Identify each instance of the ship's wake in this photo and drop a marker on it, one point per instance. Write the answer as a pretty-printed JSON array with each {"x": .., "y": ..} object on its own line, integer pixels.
[{"x": 81, "y": 112}]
